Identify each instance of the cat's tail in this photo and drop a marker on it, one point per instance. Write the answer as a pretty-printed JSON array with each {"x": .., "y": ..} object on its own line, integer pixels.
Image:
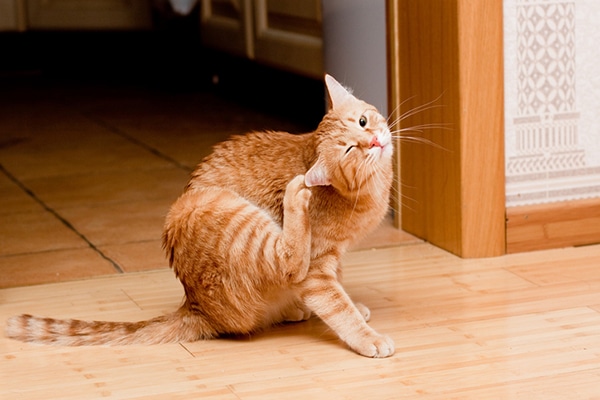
[{"x": 182, "y": 325}]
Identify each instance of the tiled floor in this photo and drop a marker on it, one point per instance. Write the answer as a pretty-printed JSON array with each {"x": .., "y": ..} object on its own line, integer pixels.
[{"x": 88, "y": 173}]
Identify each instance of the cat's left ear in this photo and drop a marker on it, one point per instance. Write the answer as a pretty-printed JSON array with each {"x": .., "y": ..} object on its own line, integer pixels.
[
  {"x": 317, "y": 175},
  {"x": 338, "y": 94}
]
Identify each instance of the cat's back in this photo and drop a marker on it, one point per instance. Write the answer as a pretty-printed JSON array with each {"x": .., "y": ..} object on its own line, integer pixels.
[
  {"x": 256, "y": 151},
  {"x": 257, "y": 165}
]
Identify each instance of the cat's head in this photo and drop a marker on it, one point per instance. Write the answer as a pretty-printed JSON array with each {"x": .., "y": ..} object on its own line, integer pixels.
[{"x": 354, "y": 142}]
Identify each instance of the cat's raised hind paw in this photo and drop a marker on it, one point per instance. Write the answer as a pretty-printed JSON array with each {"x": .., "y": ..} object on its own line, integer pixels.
[
  {"x": 294, "y": 246},
  {"x": 298, "y": 193}
]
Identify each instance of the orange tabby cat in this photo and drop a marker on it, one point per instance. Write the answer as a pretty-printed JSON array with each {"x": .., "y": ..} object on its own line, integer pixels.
[{"x": 258, "y": 234}]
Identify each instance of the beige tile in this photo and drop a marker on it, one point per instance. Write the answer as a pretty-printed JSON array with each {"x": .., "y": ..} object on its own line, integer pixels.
[
  {"x": 202, "y": 112},
  {"x": 52, "y": 266},
  {"x": 31, "y": 117},
  {"x": 13, "y": 125},
  {"x": 35, "y": 232},
  {"x": 110, "y": 187},
  {"x": 140, "y": 256},
  {"x": 186, "y": 144},
  {"x": 115, "y": 223},
  {"x": 14, "y": 200},
  {"x": 84, "y": 148},
  {"x": 186, "y": 128}
]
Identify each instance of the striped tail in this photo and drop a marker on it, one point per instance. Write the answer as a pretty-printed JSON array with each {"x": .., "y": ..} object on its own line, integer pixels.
[{"x": 181, "y": 325}]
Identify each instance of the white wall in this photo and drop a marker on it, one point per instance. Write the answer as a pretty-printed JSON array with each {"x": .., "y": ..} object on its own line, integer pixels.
[
  {"x": 354, "y": 43},
  {"x": 552, "y": 98}
]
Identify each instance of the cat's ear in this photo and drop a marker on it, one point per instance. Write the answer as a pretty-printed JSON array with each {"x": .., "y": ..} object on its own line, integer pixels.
[
  {"x": 338, "y": 94},
  {"x": 317, "y": 175}
]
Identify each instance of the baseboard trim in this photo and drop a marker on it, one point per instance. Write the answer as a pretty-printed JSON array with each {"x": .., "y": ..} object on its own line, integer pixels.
[{"x": 553, "y": 225}]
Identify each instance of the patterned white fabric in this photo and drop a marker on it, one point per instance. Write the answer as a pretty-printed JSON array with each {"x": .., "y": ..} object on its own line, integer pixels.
[{"x": 546, "y": 120}]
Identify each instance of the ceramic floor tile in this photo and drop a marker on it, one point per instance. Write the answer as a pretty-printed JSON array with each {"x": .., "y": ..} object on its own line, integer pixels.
[
  {"x": 202, "y": 109},
  {"x": 186, "y": 129},
  {"x": 31, "y": 116},
  {"x": 86, "y": 149},
  {"x": 14, "y": 200},
  {"x": 134, "y": 257},
  {"x": 34, "y": 232},
  {"x": 109, "y": 187},
  {"x": 52, "y": 266},
  {"x": 186, "y": 145},
  {"x": 114, "y": 223}
]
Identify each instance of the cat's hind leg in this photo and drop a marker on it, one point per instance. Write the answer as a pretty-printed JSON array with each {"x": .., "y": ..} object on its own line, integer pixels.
[
  {"x": 285, "y": 306},
  {"x": 296, "y": 312},
  {"x": 293, "y": 245}
]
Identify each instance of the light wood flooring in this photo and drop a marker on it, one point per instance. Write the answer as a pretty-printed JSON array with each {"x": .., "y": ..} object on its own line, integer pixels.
[
  {"x": 524, "y": 326},
  {"x": 87, "y": 177}
]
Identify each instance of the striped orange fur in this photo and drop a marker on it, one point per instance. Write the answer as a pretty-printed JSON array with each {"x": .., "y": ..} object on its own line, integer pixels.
[{"x": 257, "y": 236}]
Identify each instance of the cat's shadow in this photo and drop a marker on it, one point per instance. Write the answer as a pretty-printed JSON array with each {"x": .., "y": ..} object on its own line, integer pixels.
[{"x": 313, "y": 328}]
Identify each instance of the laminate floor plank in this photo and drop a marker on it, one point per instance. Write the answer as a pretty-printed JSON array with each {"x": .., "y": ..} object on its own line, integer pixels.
[{"x": 464, "y": 329}]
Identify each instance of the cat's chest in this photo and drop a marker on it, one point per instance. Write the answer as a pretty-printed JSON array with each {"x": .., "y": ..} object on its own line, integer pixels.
[{"x": 335, "y": 217}]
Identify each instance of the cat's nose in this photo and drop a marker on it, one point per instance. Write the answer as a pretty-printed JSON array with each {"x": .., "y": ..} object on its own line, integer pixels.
[{"x": 374, "y": 142}]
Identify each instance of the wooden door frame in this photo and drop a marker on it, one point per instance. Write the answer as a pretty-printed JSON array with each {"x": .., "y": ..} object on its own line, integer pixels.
[{"x": 452, "y": 180}]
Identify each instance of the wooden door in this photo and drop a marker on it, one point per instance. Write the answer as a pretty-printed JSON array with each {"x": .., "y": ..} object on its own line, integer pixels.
[{"x": 446, "y": 56}]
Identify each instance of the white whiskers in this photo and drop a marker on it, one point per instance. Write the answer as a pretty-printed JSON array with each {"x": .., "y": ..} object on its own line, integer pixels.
[
  {"x": 410, "y": 133},
  {"x": 369, "y": 175}
]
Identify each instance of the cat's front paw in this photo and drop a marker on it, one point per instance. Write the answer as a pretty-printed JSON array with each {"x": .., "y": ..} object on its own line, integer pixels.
[{"x": 375, "y": 346}]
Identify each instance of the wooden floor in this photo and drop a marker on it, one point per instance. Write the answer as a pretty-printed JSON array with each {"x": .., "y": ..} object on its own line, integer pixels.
[{"x": 524, "y": 326}]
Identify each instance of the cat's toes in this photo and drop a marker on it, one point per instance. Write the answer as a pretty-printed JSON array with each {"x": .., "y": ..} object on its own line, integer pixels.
[
  {"x": 297, "y": 190},
  {"x": 304, "y": 196},
  {"x": 296, "y": 184},
  {"x": 298, "y": 314},
  {"x": 299, "y": 194},
  {"x": 364, "y": 311},
  {"x": 376, "y": 346}
]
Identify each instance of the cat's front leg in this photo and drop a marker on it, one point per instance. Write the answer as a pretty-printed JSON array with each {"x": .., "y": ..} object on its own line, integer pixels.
[
  {"x": 293, "y": 246},
  {"x": 325, "y": 296},
  {"x": 364, "y": 310}
]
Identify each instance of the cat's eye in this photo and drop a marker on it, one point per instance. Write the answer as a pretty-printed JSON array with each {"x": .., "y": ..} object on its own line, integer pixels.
[
  {"x": 349, "y": 148},
  {"x": 362, "y": 121}
]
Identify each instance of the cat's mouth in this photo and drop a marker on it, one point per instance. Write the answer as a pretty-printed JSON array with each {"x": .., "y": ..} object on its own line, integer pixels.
[
  {"x": 379, "y": 147},
  {"x": 375, "y": 142}
]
